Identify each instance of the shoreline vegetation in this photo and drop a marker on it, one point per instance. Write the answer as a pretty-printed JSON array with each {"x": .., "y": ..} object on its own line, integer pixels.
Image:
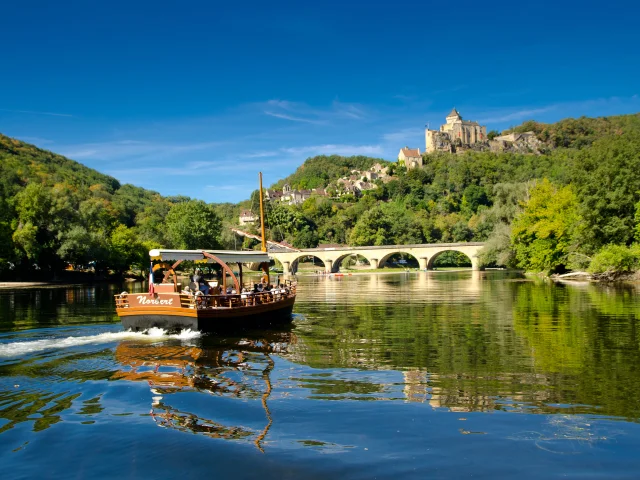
[{"x": 571, "y": 206}]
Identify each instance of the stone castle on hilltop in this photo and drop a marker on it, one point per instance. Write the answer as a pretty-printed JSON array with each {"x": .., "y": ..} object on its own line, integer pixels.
[
  {"x": 458, "y": 136},
  {"x": 456, "y": 132}
]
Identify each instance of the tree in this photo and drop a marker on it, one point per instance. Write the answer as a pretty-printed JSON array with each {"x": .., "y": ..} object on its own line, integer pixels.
[
  {"x": 493, "y": 134},
  {"x": 607, "y": 176},
  {"x": 371, "y": 229},
  {"x": 126, "y": 250},
  {"x": 193, "y": 224},
  {"x": 542, "y": 233}
]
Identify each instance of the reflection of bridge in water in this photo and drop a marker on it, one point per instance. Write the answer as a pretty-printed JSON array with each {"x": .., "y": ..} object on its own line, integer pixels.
[{"x": 376, "y": 256}]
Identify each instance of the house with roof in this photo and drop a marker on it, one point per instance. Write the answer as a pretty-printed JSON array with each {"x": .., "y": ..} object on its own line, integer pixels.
[
  {"x": 410, "y": 157},
  {"x": 247, "y": 217}
]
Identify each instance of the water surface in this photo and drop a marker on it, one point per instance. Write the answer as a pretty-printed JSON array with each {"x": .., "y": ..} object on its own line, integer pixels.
[{"x": 421, "y": 375}]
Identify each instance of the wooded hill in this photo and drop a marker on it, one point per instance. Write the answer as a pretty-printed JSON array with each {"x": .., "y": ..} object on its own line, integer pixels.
[
  {"x": 544, "y": 212},
  {"x": 55, "y": 212},
  {"x": 548, "y": 212}
]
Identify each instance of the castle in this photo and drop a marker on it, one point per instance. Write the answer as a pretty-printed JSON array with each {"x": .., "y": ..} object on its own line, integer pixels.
[
  {"x": 459, "y": 136},
  {"x": 456, "y": 132}
]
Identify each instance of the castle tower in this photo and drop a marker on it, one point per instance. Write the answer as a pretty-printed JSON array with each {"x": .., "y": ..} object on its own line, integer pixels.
[{"x": 456, "y": 129}]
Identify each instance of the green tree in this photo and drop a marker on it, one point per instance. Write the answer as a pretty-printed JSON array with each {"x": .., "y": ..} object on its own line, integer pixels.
[
  {"x": 371, "y": 229},
  {"x": 126, "y": 250},
  {"x": 542, "y": 233},
  {"x": 193, "y": 224},
  {"x": 616, "y": 259}
]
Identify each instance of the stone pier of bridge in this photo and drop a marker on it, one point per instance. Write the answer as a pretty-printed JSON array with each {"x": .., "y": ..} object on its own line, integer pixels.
[{"x": 426, "y": 255}]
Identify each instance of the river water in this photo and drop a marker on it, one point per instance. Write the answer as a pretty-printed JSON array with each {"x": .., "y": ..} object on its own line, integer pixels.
[{"x": 420, "y": 375}]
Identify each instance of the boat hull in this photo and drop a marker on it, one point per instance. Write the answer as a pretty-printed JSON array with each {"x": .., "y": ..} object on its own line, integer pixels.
[{"x": 209, "y": 319}]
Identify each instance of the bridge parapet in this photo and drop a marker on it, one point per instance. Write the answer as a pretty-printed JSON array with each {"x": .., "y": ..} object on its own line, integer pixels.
[{"x": 377, "y": 256}]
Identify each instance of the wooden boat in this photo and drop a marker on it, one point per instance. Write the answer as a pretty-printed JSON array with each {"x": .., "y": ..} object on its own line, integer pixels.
[{"x": 169, "y": 306}]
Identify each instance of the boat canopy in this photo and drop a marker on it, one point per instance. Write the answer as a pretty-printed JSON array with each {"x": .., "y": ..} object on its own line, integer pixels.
[{"x": 227, "y": 256}]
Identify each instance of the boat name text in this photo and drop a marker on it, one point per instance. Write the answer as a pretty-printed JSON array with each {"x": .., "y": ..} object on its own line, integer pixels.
[{"x": 142, "y": 300}]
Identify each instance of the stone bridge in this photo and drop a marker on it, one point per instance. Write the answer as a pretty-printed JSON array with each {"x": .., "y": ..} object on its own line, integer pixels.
[{"x": 376, "y": 256}]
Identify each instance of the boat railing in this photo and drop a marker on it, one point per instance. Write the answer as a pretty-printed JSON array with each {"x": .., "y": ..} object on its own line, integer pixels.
[
  {"x": 247, "y": 299},
  {"x": 244, "y": 299},
  {"x": 122, "y": 300}
]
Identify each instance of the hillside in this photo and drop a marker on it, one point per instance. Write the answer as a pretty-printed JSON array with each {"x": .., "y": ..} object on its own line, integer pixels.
[
  {"x": 591, "y": 167},
  {"x": 319, "y": 171},
  {"x": 579, "y": 132},
  {"x": 551, "y": 212},
  {"x": 55, "y": 212}
]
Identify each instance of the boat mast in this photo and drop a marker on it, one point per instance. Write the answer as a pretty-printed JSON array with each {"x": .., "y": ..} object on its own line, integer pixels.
[
  {"x": 265, "y": 266},
  {"x": 264, "y": 238}
]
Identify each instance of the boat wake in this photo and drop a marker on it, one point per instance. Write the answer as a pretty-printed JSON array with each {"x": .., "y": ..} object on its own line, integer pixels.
[{"x": 15, "y": 349}]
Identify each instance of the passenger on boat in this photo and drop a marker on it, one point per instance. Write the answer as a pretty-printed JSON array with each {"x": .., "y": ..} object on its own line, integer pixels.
[
  {"x": 199, "y": 280},
  {"x": 158, "y": 275},
  {"x": 196, "y": 277}
]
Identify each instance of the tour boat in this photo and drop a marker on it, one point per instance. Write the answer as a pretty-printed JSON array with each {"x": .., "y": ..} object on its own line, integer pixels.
[{"x": 208, "y": 306}]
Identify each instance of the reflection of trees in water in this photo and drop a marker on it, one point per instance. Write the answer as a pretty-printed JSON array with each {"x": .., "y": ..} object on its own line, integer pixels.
[
  {"x": 520, "y": 346},
  {"x": 168, "y": 417},
  {"x": 33, "y": 307},
  {"x": 43, "y": 408},
  {"x": 586, "y": 340},
  {"x": 43, "y": 402}
]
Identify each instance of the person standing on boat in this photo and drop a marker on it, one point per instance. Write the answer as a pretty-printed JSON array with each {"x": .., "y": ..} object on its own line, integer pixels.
[{"x": 202, "y": 285}]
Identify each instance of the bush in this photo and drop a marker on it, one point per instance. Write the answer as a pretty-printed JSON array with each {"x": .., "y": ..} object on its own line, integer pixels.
[{"x": 616, "y": 259}]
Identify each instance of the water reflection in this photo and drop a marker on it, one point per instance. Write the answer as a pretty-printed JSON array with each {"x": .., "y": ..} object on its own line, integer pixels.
[
  {"x": 472, "y": 342},
  {"x": 229, "y": 368}
]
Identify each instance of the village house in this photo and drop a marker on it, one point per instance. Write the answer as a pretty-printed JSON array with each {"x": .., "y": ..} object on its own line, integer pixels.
[
  {"x": 291, "y": 196},
  {"x": 247, "y": 217},
  {"x": 410, "y": 157}
]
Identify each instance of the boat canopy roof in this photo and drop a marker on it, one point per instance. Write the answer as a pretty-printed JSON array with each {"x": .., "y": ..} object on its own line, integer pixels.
[{"x": 227, "y": 256}]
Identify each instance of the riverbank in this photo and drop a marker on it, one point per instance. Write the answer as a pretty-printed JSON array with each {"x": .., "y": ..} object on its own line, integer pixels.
[
  {"x": 607, "y": 277},
  {"x": 13, "y": 285}
]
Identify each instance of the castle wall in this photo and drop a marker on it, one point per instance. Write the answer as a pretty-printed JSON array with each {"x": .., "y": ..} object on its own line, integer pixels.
[{"x": 455, "y": 128}]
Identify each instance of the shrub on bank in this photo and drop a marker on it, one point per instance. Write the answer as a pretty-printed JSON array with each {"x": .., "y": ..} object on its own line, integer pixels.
[{"x": 616, "y": 259}]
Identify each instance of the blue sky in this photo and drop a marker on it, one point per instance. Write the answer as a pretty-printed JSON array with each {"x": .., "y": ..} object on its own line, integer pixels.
[{"x": 195, "y": 98}]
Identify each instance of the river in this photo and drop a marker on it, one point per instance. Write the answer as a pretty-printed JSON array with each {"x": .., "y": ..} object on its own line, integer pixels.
[{"x": 418, "y": 375}]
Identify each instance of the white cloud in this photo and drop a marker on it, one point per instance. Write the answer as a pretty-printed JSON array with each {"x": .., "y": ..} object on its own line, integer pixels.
[
  {"x": 36, "y": 140},
  {"x": 517, "y": 115},
  {"x": 31, "y": 112},
  {"x": 597, "y": 106},
  {"x": 284, "y": 116},
  {"x": 329, "y": 149},
  {"x": 406, "y": 136},
  {"x": 301, "y": 112},
  {"x": 131, "y": 149}
]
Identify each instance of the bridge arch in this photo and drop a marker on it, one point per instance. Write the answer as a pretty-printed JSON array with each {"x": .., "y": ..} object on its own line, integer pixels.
[
  {"x": 337, "y": 263},
  {"x": 295, "y": 263},
  {"x": 383, "y": 261},
  {"x": 461, "y": 257}
]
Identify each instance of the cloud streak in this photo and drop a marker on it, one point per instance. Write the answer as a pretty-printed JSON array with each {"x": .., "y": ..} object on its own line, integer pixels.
[
  {"x": 132, "y": 149},
  {"x": 284, "y": 116},
  {"x": 517, "y": 115},
  {"x": 337, "y": 112},
  {"x": 31, "y": 112},
  {"x": 329, "y": 149}
]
